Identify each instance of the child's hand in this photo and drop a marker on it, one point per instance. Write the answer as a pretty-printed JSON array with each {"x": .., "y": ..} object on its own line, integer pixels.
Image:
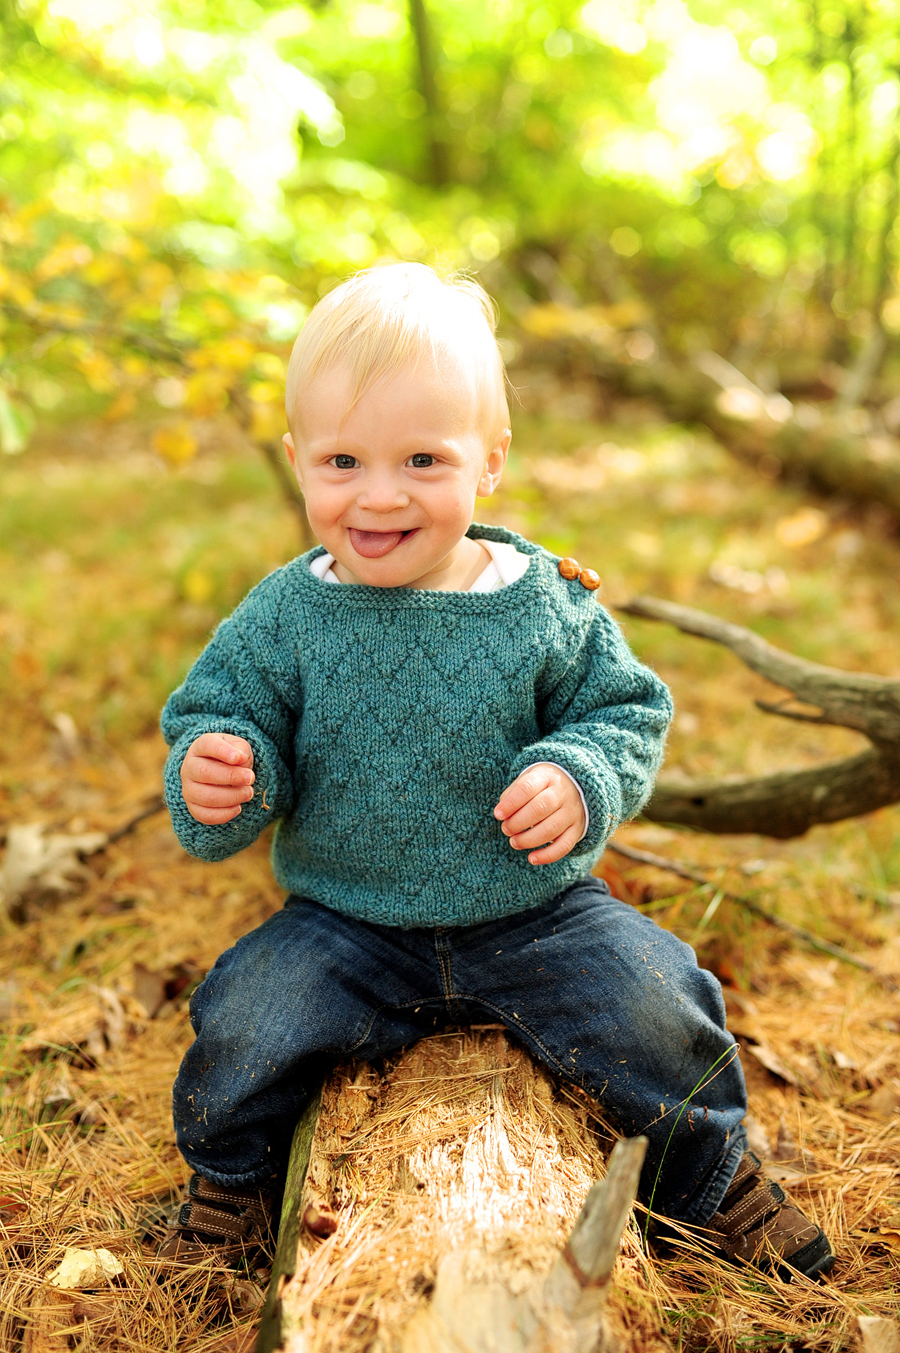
[
  {"x": 217, "y": 777},
  {"x": 542, "y": 806}
]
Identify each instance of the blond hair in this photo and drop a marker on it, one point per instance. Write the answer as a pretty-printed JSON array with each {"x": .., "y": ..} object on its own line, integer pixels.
[{"x": 386, "y": 317}]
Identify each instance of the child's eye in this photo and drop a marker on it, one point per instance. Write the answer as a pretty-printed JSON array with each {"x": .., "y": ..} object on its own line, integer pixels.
[
  {"x": 421, "y": 461},
  {"x": 344, "y": 462}
]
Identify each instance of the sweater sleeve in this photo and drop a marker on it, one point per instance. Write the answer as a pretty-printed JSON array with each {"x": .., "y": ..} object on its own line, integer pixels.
[
  {"x": 229, "y": 691},
  {"x": 606, "y": 721}
]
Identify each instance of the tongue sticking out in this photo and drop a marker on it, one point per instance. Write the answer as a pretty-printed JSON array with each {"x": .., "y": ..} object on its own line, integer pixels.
[{"x": 374, "y": 544}]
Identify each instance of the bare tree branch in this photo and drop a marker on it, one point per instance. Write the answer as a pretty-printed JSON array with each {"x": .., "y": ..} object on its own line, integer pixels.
[
  {"x": 870, "y": 704},
  {"x": 788, "y": 803}
]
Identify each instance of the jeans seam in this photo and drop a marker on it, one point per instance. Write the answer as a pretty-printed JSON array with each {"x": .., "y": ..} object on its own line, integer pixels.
[
  {"x": 518, "y": 1024},
  {"x": 443, "y": 956},
  {"x": 426, "y": 1000}
]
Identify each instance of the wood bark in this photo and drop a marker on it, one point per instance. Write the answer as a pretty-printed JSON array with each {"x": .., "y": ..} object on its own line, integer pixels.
[
  {"x": 789, "y": 802},
  {"x": 430, "y": 1208}
]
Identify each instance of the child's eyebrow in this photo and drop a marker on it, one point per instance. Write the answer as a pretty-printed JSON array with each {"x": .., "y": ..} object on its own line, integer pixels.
[{"x": 413, "y": 446}]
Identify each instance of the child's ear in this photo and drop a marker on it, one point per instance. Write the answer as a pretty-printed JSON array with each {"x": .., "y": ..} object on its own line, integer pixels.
[
  {"x": 493, "y": 466},
  {"x": 291, "y": 453}
]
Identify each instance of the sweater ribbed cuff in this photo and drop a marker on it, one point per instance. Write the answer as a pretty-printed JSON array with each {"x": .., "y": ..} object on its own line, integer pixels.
[{"x": 271, "y": 799}]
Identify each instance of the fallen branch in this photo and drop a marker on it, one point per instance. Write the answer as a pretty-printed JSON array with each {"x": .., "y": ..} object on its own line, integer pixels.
[
  {"x": 768, "y": 431},
  {"x": 686, "y": 871},
  {"x": 789, "y": 802}
]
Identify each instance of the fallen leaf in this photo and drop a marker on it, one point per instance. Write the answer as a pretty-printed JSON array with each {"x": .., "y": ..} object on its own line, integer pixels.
[
  {"x": 82, "y": 1270},
  {"x": 67, "y": 743},
  {"x": 60, "y": 1090},
  {"x": 153, "y": 990},
  {"x": 786, "y": 1145},
  {"x": 610, "y": 875},
  {"x": 149, "y": 988},
  {"x": 37, "y": 865},
  {"x": 757, "y": 1138},
  {"x": 772, "y": 1062},
  {"x": 93, "y": 1022},
  {"x": 883, "y": 1102},
  {"x": 785, "y": 1174},
  {"x": 879, "y": 1334},
  {"x": 802, "y": 527}
]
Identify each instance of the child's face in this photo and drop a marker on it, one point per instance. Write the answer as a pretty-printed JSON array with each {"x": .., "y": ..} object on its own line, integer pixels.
[{"x": 390, "y": 484}]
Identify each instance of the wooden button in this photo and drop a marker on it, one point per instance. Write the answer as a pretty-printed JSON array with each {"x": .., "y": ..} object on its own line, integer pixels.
[
  {"x": 570, "y": 568},
  {"x": 589, "y": 579}
]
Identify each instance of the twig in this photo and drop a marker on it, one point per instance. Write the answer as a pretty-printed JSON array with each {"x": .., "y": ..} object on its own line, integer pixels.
[
  {"x": 156, "y": 805},
  {"x": 686, "y": 871}
]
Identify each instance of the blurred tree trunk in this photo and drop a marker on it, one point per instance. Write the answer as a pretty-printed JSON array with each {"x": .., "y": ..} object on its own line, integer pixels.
[
  {"x": 434, "y": 119},
  {"x": 872, "y": 353}
]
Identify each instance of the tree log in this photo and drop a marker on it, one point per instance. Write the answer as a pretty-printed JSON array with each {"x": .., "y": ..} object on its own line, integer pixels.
[
  {"x": 437, "y": 1203},
  {"x": 788, "y": 803},
  {"x": 799, "y": 441}
]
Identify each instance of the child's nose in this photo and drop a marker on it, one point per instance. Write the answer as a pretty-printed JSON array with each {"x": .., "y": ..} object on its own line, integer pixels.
[{"x": 382, "y": 493}]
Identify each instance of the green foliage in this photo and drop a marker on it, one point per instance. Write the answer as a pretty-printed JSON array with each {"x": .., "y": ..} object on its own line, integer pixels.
[{"x": 180, "y": 182}]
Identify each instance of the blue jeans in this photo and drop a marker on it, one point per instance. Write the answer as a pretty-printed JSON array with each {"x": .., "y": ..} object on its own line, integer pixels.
[{"x": 596, "y": 991}]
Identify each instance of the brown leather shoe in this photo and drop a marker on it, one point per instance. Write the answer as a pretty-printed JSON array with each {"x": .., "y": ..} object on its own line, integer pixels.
[
  {"x": 758, "y": 1224},
  {"x": 226, "y": 1224}
]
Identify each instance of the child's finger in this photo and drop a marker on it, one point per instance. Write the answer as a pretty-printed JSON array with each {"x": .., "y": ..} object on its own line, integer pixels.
[
  {"x": 214, "y": 796},
  {"x": 556, "y": 849},
  {"x": 533, "y": 812},
  {"x": 547, "y": 830},
  {"x": 204, "y": 770},
  {"x": 522, "y": 789},
  {"x": 227, "y": 747},
  {"x": 213, "y": 817}
]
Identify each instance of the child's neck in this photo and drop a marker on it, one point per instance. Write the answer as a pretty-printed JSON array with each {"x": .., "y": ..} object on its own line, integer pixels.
[{"x": 455, "y": 573}]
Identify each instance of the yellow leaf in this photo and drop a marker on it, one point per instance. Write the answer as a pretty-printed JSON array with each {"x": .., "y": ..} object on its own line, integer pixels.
[
  {"x": 175, "y": 443},
  {"x": 103, "y": 268},
  {"x": 197, "y": 586},
  {"x": 802, "y": 527},
  {"x": 20, "y": 293},
  {"x": 270, "y": 365},
  {"x": 206, "y": 393},
  {"x": 266, "y": 392},
  {"x": 99, "y": 372},
  {"x": 85, "y": 1269},
  {"x": 154, "y": 277},
  {"x": 235, "y": 354},
  {"x": 217, "y": 312},
  {"x": 121, "y": 407},
  {"x": 267, "y": 422},
  {"x": 68, "y": 254}
]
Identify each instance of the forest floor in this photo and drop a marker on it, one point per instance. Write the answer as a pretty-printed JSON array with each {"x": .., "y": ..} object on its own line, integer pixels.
[{"x": 113, "y": 569}]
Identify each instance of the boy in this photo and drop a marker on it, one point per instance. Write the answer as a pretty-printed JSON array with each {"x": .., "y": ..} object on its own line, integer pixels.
[{"x": 447, "y": 727}]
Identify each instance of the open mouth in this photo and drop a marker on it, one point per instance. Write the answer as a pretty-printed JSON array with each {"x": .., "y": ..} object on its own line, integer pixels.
[{"x": 376, "y": 544}]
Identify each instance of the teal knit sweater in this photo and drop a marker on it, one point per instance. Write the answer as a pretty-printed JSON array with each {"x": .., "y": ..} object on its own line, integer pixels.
[{"x": 386, "y": 722}]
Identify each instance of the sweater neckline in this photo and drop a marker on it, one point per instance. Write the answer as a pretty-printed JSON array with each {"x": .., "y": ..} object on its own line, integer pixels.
[{"x": 423, "y": 598}]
